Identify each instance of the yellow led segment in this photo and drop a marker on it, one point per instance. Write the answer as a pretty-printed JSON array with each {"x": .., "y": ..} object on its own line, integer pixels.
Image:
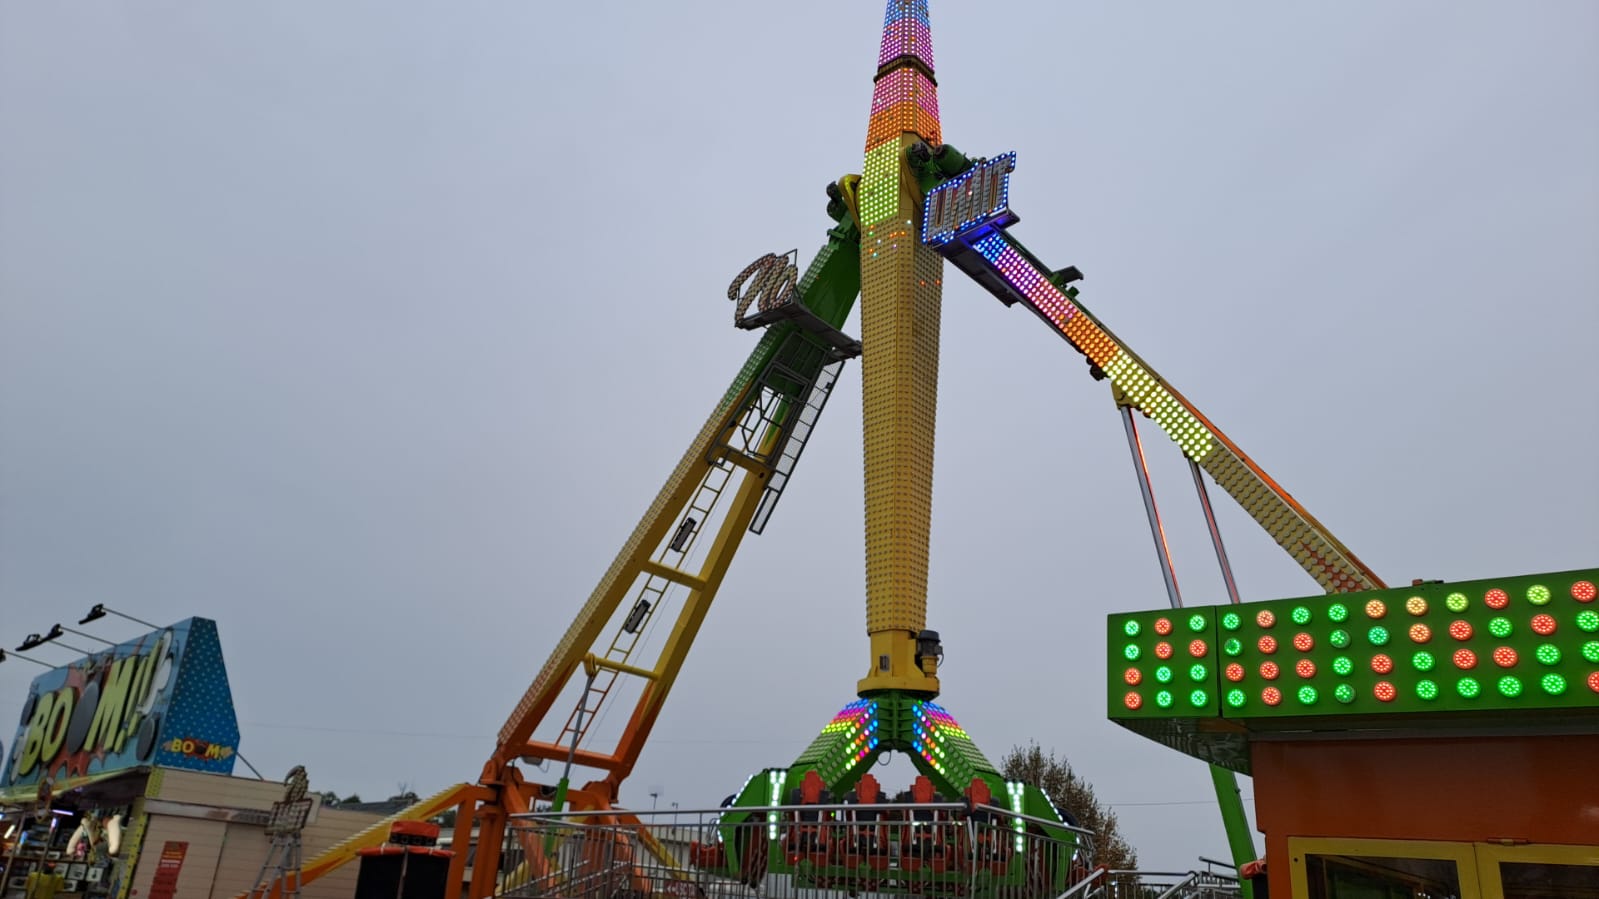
[{"x": 1151, "y": 398}]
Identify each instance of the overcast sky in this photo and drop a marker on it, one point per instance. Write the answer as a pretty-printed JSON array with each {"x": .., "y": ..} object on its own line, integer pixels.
[{"x": 369, "y": 329}]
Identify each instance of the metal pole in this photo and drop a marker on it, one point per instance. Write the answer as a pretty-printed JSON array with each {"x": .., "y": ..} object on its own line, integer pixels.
[
  {"x": 1235, "y": 820},
  {"x": 1215, "y": 533},
  {"x": 1162, "y": 551}
]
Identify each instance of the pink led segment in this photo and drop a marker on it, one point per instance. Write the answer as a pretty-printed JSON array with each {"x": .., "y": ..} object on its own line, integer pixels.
[
  {"x": 1496, "y": 599},
  {"x": 1543, "y": 624},
  {"x": 905, "y": 33},
  {"x": 1584, "y": 591}
]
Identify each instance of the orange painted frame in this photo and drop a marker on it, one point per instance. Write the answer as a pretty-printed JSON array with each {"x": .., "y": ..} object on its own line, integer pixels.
[{"x": 1468, "y": 789}]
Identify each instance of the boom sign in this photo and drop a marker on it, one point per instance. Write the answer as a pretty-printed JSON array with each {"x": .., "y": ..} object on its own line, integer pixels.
[{"x": 768, "y": 283}]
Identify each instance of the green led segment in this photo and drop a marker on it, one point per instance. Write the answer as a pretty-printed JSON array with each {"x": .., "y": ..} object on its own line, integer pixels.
[
  {"x": 1549, "y": 654},
  {"x": 1339, "y": 639},
  {"x": 1344, "y": 693},
  {"x": 1456, "y": 602},
  {"x": 1338, "y": 612},
  {"x": 1236, "y": 698},
  {"x": 1553, "y": 684},
  {"x": 1500, "y": 627},
  {"x": 1590, "y": 651},
  {"x": 1422, "y": 660},
  {"x": 1152, "y": 653},
  {"x": 1307, "y": 695},
  {"x": 1233, "y": 646},
  {"x": 1377, "y": 635},
  {"x": 1510, "y": 686},
  {"x": 1198, "y": 699},
  {"x": 1301, "y": 615},
  {"x": 1427, "y": 690},
  {"x": 1468, "y": 687},
  {"x": 1231, "y": 621},
  {"x": 1538, "y": 594},
  {"x": 1342, "y": 666},
  {"x": 1588, "y": 620}
]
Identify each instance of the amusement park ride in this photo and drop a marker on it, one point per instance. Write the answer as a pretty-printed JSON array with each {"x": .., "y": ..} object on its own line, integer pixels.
[{"x": 917, "y": 203}]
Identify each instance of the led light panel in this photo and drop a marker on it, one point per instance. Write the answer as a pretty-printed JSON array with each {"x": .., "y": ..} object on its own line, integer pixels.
[{"x": 1500, "y": 644}]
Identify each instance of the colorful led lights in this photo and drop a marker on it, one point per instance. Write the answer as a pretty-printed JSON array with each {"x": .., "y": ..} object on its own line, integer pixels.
[
  {"x": 1163, "y": 674},
  {"x": 1130, "y": 628},
  {"x": 1338, "y": 612},
  {"x": 1344, "y": 693},
  {"x": 1265, "y": 618},
  {"x": 1500, "y": 627},
  {"x": 1420, "y": 633},
  {"x": 1496, "y": 599},
  {"x": 1269, "y": 670},
  {"x": 1552, "y": 683},
  {"x": 1548, "y": 654},
  {"x": 1198, "y": 698},
  {"x": 1133, "y": 677},
  {"x": 1133, "y": 700},
  {"x": 1593, "y": 681},
  {"x": 1426, "y": 689},
  {"x": 1163, "y": 699},
  {"x": 1509, "y": 686},
  {"x": 1163, "y": 650},
  {"x": 1307, "y": 695},
  {"x": 1232, "y": 621},
  {"x": 1236, "y": 698},
  {"x": 1584, "y": 591},
  {"x": 1198, "y": 672},
  {"x": 1267, "y": 644},
  {"x": 1197, "y": 622},
  {"x": 1382, "y": 664},
  {"x": 1163, "y": 626},
  {"x": 1588, "y": 620},
  {"x": 1233, "y": 646},
  {"x": 1339, "y": 639},
  {"x": 1343, "y": 666},
  {"x": 1377, "y": 635},
  {"x": 1384, "y": 691},
  {"x": 1271, "y": 696},
  {"x": 1538, "y": 595},
  {"x": 1198, "y": 648},
  {"x": 1505, "y": 657},
  {"x": 1234, "y": 672},
  {"x": 1543, "y": 624},
  {"x": 1132, "y": 652},
  {"x": 1376, "y": 608},
  {"x": 1301, "y": 615},
  {"x": 1590, "y": 651},
  {"x": 1468, "y": 688},
  {"x": 1465, "y": 659},
  {"x": 1305, "y": 668},
  {"x": 1456, "y": 602},
  {"x": 1460, "y": 629},
  {"x": 1422, "y": 660},
  {"x": 1304, "y": 642},
  {"x": 1416, "y": 605}
]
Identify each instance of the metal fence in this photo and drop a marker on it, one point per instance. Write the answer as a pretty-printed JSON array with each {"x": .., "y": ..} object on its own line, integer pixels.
[{"x": 795, "y": 852}]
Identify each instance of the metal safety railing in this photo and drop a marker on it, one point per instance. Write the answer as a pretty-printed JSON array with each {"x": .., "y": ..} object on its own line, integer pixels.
[
  {"x": 795, "y": 852},
  {"x": 1103, "y": 883}
]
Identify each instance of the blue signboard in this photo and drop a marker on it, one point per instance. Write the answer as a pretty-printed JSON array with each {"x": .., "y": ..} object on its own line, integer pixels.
[{"x": 162, "y": 700}]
